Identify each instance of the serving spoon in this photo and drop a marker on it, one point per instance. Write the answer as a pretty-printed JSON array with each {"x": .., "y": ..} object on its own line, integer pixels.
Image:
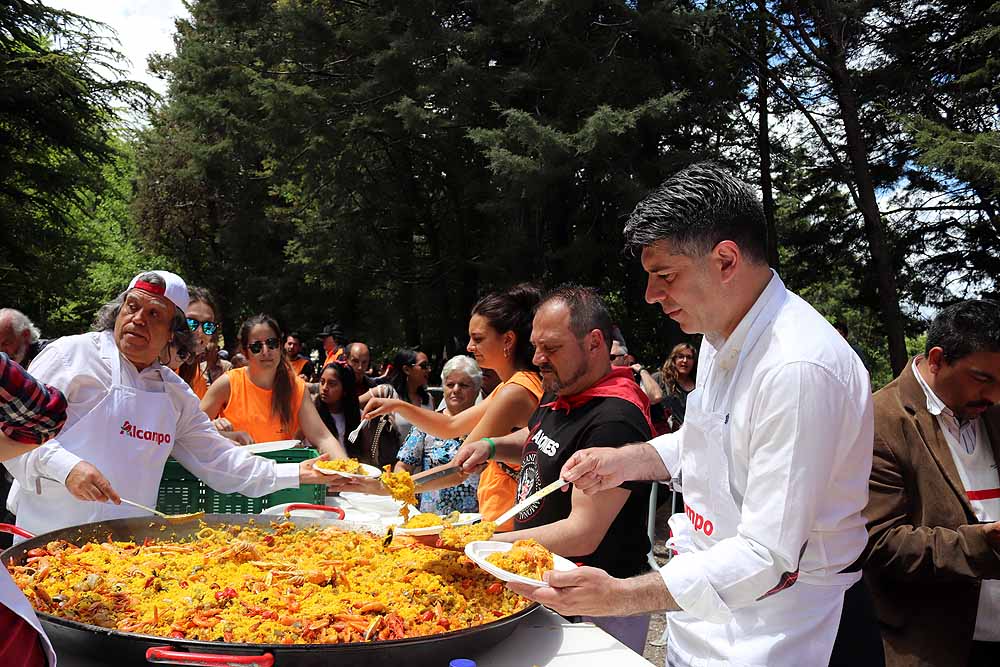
[{"x": 169, "y": 518}]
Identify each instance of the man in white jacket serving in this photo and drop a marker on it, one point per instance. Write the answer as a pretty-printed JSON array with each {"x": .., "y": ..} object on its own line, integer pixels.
[
  {"x": 126, "y": 414},
  {"x": 773, "y": 458}
]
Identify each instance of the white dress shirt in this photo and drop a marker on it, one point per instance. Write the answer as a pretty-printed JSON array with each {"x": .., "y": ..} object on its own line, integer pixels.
[
  {"x": 801, "y": 429},
  {"x": 74, "y": 365},
  {"x": 977, "y": 468}
]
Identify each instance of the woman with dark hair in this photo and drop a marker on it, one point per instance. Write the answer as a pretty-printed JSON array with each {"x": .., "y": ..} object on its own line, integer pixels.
[
  {"x": 676, "y": 379},
  {"x": 203, "y": 318},
  {"x": 499, "y": 339},
  {"x": 407, "y": 383},
  {"x": 266, "y": 399},
  {"x": 336, "y": 402}
]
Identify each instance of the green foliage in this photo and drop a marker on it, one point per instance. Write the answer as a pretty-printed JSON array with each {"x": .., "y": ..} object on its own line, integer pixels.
[
  {"x": 933, "y": 107},
  {"x": 384, "y": 164},
  {"x": 59, "y": 96},
  {"x": 394, "y": 161}
]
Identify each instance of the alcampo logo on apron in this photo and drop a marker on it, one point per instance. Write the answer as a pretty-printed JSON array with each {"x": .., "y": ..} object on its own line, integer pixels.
[{"x": 140, "y": 434}]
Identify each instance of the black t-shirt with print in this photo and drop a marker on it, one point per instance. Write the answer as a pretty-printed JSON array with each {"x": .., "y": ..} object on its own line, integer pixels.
[{"x": 554, "y": 437}]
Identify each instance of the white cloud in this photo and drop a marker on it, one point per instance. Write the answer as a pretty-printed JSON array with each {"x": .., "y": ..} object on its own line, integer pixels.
[{"x": 143, "y": 27}]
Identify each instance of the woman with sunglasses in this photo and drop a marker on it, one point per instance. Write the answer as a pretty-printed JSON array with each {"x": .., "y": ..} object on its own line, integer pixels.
[
  {"x": 500, "y": 339},
  {"x": 203, "y": 319},
  {"x": 407, "y": 384},
  {"x": 266, "y": 399}
]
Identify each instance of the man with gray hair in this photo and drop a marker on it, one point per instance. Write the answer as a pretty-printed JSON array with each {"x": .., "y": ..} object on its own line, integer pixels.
[
  {"x": 773, "y": 457},
  {"x": 620, "y": 357},
  {"x": 19, "y": 337},
  {"x": 127, "y": 413}
]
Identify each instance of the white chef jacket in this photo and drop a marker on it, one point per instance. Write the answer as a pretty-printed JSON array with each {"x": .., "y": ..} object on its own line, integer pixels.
[
  {"x": 801, "y": 432},
  {"x": 74, "y": 365},
  {"x": 977, "y": 468}
]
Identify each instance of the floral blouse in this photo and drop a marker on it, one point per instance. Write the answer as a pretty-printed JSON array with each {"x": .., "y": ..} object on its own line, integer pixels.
[{"x": 423, "y": 451}]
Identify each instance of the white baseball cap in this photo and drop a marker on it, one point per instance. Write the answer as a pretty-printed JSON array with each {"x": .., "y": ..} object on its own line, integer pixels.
[{"x": 173, "y": 288}]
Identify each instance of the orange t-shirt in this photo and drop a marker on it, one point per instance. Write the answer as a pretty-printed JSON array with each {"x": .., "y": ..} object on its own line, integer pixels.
[
  {"x": 249, "y": 408},
  {"x": 497, "y": 490},
  {"x": 298, "y": 364}
]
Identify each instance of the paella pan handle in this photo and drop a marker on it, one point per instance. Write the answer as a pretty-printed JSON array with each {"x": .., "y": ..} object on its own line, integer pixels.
[
  {"x": 307, "y": 506},
  {"x": 20, "y": 532},
  {"x": 165, "y": 655}
]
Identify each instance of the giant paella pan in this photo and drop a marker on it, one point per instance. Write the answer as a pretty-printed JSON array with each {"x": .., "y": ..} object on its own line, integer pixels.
[{"x": 238, "y": 589}]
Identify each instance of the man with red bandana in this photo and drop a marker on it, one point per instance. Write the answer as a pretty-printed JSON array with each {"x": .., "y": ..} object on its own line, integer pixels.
[{"x": 587, "y": 404}]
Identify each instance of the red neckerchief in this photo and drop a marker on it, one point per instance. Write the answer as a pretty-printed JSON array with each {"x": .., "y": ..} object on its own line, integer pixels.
[{"x": 619, "y": 383}]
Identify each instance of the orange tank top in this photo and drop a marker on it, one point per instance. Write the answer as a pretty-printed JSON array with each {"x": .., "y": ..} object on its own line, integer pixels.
[
  {"x": 497, "y": 490},
  {"x": 198, "y": 384},
  {"x": 249, "y": 408}
]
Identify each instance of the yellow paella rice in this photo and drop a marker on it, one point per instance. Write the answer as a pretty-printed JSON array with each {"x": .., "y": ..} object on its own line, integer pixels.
[
  {"x": 352, "y": 466},
  {"x": 527, "y": 558},
  {"x": 257, "y": 585},
  {"x": 424, "y": 520},
  {"x": 456, "y": 537},
  {"x": 400, "y": 486}
]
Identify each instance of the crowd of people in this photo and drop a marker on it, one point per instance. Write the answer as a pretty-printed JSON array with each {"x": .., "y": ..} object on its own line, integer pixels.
[{"x": 821, "y": 525}]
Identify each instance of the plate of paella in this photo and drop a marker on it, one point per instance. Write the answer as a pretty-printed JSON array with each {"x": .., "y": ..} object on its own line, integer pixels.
[
  {"x": 524, "y": 561},
  {"x": 347, "y": 468},
  {"x": 425, "y": 523}
]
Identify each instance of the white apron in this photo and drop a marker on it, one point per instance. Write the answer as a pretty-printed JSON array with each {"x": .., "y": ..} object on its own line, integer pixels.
[
  {"x": 128, "y": 436},
  {"x": 794, "y": 627},
  {"x": 12, "y": 597}
]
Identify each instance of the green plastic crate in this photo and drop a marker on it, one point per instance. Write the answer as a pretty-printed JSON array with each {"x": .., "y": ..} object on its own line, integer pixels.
[
  {"x": 307, "y": 493},
  {"x": 182, "y": 492}
]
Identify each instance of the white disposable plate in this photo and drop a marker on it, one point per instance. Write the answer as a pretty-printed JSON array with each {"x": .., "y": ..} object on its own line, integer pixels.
[
  {"x": 464, "y": 519},
  {"x": 478, "y": 551},
  {"x": 370, "y": 471},
  {"x": 276, "y": 446},
  {"x": 384, "y": 506}
]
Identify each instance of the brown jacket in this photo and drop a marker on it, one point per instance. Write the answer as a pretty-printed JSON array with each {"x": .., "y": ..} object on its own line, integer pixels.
[{"x": 926, "y": 551}]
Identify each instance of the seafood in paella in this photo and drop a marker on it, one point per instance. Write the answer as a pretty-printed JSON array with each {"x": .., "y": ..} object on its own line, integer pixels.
[{"x": 258, "y": 585}]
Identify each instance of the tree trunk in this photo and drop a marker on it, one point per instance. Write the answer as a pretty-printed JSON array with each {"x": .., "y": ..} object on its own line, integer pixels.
[
  {"x": 764, "y": 136},
  {"x": 828, "y": 24}
]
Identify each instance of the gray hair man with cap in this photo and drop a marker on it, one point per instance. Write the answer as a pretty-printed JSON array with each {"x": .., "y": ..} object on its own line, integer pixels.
[{"x": 127, "y": 414}]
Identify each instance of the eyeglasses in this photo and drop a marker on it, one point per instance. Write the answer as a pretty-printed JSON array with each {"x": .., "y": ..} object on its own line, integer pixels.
[
  {"x": 426, "y": 365},
  {"x": 617, "y": 356},
  {"x": 258, "y": 346},
  {"x": 208, "y": 327}
]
